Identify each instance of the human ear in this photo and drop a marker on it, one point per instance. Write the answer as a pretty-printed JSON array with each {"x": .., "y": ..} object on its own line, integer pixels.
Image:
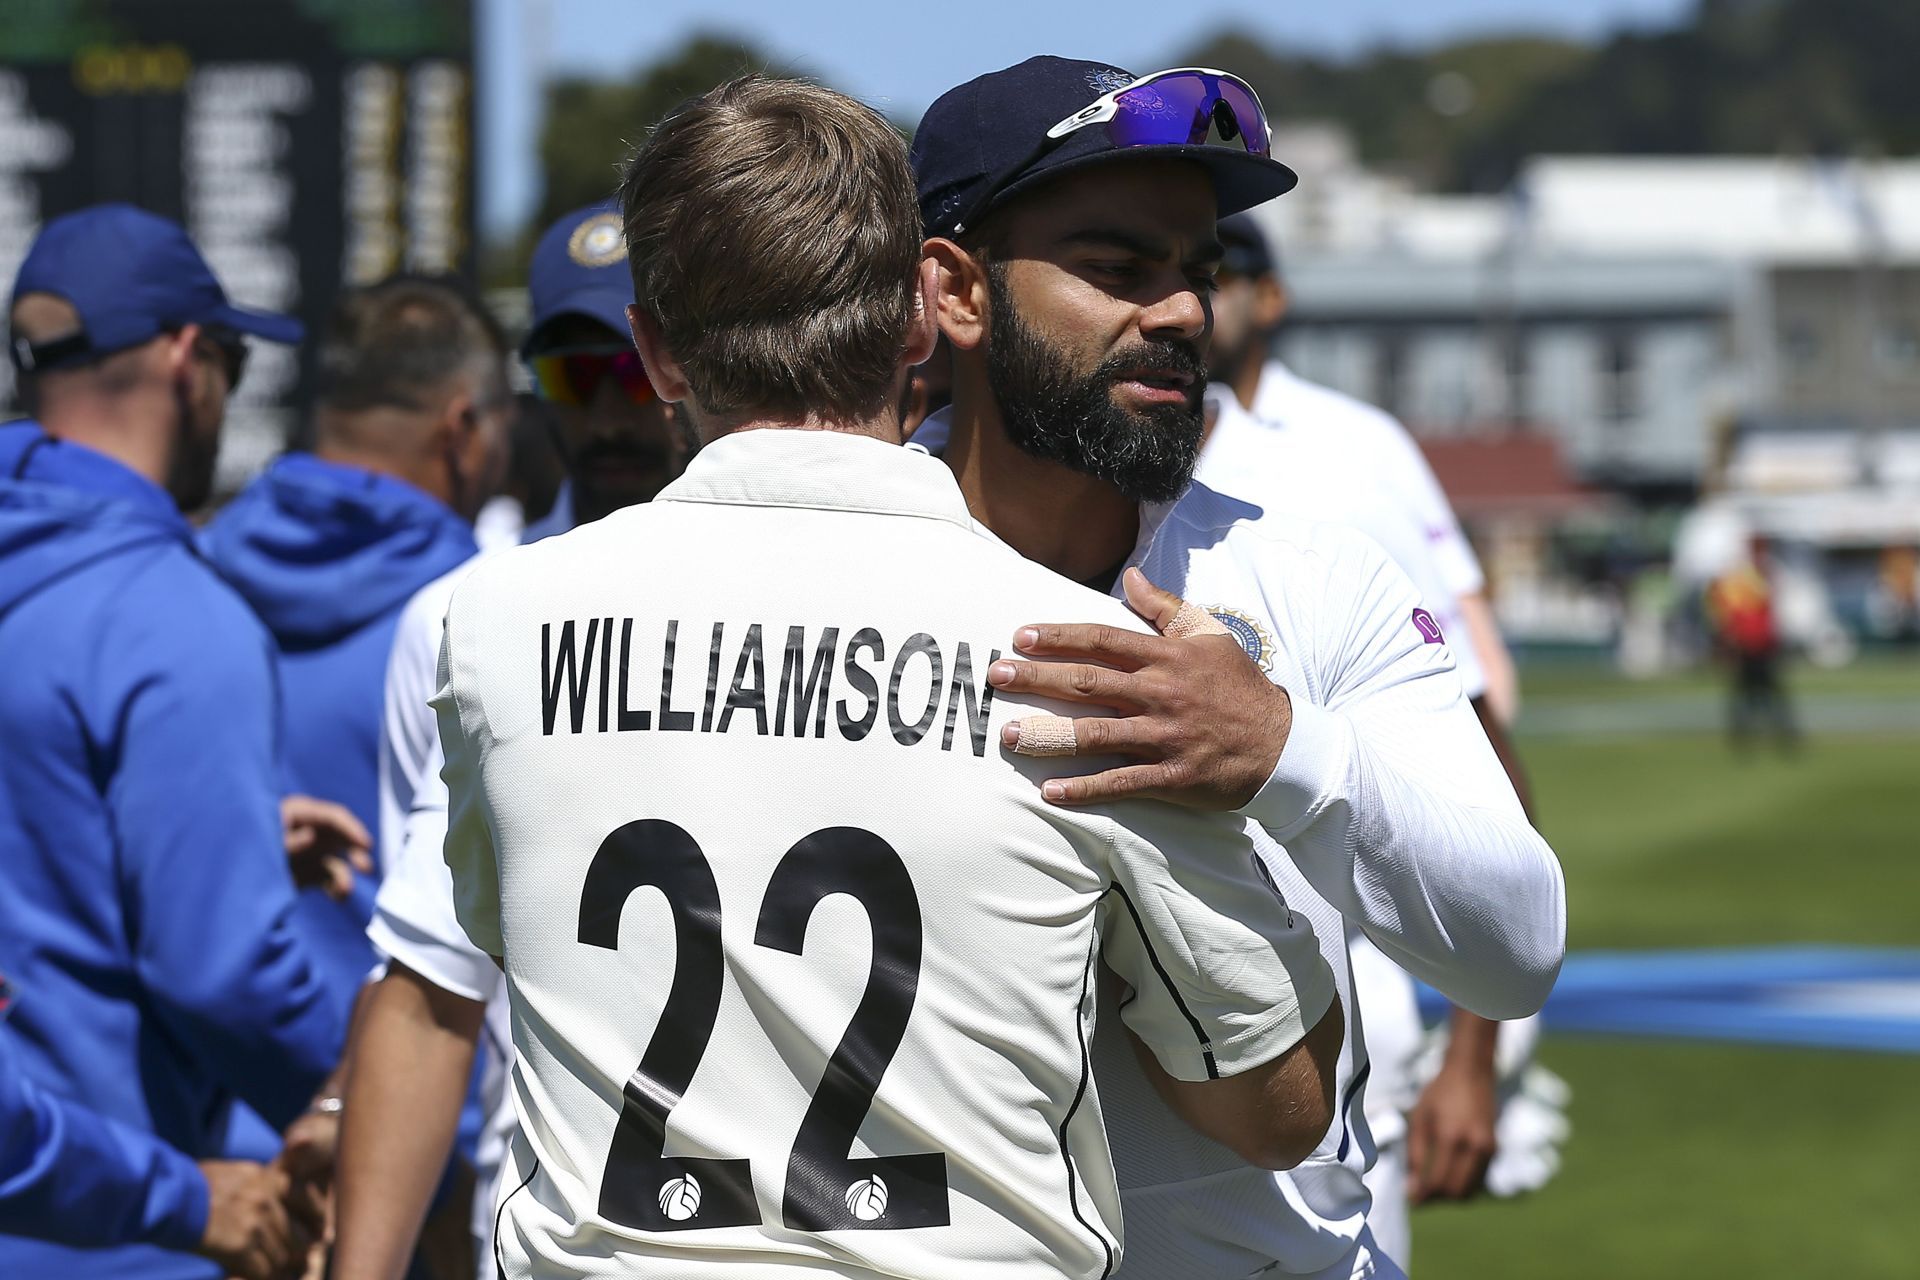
[
  {"x": 923, "y": 333},
  {"x": 1269, "y": 303},
  {"x": 663, "y": 371},
  {"x": 959, "y": 292}
]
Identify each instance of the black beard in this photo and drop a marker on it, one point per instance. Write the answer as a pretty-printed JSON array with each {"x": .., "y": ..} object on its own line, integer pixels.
[{"x": 1147, "y": 454}]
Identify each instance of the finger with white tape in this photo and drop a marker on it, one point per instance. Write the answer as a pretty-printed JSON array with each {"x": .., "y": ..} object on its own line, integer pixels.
[
  {"x": 1046, "y": 735},
  {"x": 1192, "y": 620}
]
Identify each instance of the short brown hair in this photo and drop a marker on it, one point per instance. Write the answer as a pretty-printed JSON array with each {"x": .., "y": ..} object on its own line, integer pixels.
[
  {"x": 774, "y": 235},
  {"x": 396, "y": 344}
]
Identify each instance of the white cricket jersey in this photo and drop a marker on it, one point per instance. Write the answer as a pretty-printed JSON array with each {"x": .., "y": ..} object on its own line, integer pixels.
[
  {"x": 1395, "y": 818},
  {"x": 1378, "y": 442},
  {"x": 413, "y": 919},
  {"x": 1328, "y": 473},
  {"x": 801, "y": 964},
  {"x": 1389, "y": 809}
]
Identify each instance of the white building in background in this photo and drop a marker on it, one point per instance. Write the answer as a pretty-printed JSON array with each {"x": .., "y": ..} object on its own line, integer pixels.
[{"x": 1647, "y": 313}]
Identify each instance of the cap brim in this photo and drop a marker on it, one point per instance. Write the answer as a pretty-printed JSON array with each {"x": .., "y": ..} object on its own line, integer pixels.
[
  {"x": 1241, "y": 180},
  {"x": 260, "y": 324},
  {"x": 606, "y": 305}
]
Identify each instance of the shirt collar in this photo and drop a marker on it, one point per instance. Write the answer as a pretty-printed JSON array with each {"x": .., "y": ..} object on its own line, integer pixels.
[{"x": 829, "y": 470}]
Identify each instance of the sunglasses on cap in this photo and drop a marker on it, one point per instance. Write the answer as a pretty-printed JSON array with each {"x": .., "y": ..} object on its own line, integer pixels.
[
  {"x": 1174, "y": 108},
  {"x": 573, "y": 377}
]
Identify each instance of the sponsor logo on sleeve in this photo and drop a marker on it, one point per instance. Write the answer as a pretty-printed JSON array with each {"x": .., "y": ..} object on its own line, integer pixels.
[{"x": 1429, "y": 629}]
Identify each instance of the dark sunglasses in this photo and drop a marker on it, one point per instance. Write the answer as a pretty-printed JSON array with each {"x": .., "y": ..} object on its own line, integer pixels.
[
  {"x": 232, "y": 349},
  {"x": 574, "y": 377},
  {"x": 1180, "y": 107}
]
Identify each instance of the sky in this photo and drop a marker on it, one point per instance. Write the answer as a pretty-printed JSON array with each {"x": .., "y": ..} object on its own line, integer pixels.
[{"x": 900, "y": 57}]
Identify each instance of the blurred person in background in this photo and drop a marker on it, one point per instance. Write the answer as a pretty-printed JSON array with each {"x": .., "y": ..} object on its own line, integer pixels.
[
  {"x": 147, "y": 910},
  {"x": 1435, "y": 1141},
  {"x": 441, "y": 999},
  {"x": 1248, "y": 313},
  {"x": 533, "y": 500},
  {"x": 1741, "y": 609},
  {"x": 1077, "y": 269},
  {"x": 409, "y": 431}
]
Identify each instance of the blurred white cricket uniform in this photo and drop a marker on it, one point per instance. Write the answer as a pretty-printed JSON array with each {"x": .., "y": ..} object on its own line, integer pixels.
[
  {"x": 1339, "y": 473},
  {"x": 413, "y": 919},
  {"x": 728, "y": 798},
  {"x": 1381, "y": 445},
  {"x": 1388, "y": 811}
]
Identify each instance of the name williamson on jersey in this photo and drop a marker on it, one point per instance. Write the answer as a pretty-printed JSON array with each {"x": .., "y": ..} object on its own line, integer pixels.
[{"x": 592, "y": 680}]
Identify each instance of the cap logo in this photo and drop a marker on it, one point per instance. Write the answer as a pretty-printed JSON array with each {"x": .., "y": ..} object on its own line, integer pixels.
[
  {"x": 1109, "y": 80},
  {"x": 600, "y": 241}
]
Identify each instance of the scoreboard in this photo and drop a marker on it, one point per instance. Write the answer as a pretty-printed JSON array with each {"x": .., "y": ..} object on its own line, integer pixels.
[{"x": 304, "y": 144}]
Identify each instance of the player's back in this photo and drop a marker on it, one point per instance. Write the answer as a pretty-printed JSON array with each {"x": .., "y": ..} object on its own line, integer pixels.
[{"x": 801, "y": 963}]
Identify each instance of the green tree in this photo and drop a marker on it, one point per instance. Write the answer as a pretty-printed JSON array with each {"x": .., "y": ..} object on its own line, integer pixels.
[{"x": 590, "y": 126}]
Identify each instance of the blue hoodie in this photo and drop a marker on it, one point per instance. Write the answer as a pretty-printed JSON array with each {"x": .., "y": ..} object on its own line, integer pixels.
[
  {"x": 68, "y": 1174},
  {"x": 147, "y": 907},
  {"x": 328, "y": 555}
]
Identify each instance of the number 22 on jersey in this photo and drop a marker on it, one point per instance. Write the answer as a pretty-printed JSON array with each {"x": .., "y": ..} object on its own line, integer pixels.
[{"x": 827, "y": 1188}]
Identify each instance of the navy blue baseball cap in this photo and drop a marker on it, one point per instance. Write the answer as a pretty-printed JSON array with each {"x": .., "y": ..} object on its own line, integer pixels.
[
  {"x": 979, "y": 141},
  {"x": 131, "y": 275},
  {"x": 1248, "y": 253},
  {"x": 580, "y": 269}
]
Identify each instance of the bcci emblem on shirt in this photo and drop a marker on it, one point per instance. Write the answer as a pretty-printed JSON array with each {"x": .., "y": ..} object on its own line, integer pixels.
[{"x": 1250, "y": 635}]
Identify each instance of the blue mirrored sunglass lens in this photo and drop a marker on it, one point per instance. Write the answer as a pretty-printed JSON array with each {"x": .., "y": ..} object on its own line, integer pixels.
[
  {"x": 1160, "y": 112},
  {"x": 1247, "y": 115}
]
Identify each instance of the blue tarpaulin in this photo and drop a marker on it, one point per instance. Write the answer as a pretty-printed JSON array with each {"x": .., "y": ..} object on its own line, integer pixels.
[{"x": 1829, "y": 997}]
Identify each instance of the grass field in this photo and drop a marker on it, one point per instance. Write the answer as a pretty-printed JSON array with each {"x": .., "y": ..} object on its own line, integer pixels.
[{"x": 1705, "y": 1161}]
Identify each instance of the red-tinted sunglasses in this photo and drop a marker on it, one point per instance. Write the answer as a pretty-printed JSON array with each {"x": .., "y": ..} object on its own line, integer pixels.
[{"x": 574, "y": 377}]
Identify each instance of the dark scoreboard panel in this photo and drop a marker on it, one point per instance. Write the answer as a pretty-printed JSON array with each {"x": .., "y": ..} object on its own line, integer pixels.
[{"x": 303, "y": 143}]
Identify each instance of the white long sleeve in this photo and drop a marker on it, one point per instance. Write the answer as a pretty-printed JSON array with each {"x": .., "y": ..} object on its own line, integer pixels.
[{"x": 1394, "y": 807}]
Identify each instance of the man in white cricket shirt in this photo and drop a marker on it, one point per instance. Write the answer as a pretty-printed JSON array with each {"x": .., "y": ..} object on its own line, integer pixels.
[
  {"x": 1307, "y": 464},
  {"x": 1376, "y": 440},
  {"x": 801, "y": 965},
  {"x": 1072, "y": 210},
  {"x": 440, "y": 1000}
]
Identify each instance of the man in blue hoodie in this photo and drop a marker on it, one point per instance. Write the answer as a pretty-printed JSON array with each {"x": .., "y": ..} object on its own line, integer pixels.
[
  {"x": 409, "y": 429},
  {"x": 147, "y": 904}
]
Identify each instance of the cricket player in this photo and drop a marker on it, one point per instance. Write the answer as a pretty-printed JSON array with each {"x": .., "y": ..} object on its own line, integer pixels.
[
  {"x": 1248, "y": 311},
  {"x": 441, "y": 1001},
  {"x": 1072, "y": 209},
  {"x": 802, "y": 967},
  {"x": 1327, "y": 458}
]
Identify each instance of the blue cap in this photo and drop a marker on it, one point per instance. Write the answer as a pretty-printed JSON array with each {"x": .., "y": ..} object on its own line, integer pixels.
[
  {"x": 1248, "y": 253},
  {"x": 580, "y": 269},
  {"x": 131, "y": 275},
  {"x": 977, "y": 134}
]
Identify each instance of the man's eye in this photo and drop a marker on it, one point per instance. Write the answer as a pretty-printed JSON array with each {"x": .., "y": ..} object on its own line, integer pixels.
[{"x": 1206, "y": 282}]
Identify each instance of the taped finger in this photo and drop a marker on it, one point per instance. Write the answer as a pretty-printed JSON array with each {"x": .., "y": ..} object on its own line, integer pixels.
[
  {"x": 1192, "y": 620},
  {"x": 1046, "y": 735}
]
